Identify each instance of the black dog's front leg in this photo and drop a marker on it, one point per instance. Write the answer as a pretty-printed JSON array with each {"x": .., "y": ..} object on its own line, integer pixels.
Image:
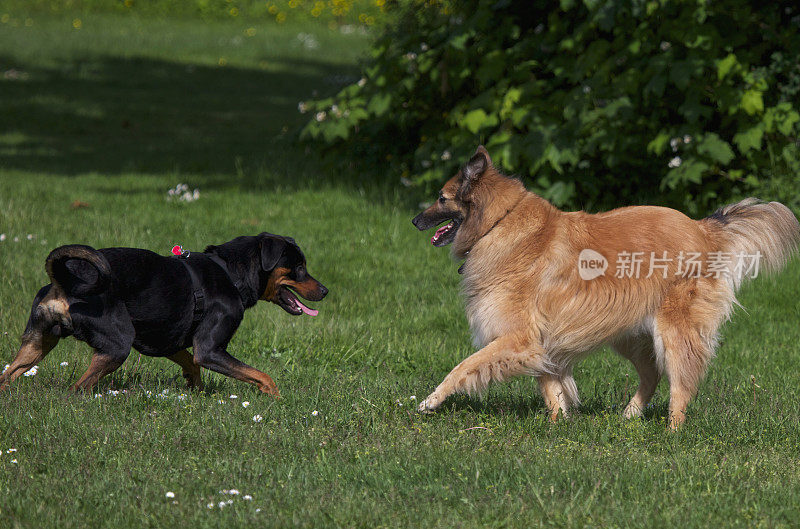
[{"x": 210, "y": 351}]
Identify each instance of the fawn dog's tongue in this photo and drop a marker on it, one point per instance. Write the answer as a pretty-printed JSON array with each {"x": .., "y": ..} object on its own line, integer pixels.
[{"x": 441, "y": 231}]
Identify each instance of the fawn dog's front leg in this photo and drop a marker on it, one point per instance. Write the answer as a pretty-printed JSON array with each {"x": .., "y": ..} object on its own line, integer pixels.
[{"x": 505, "y": 357}]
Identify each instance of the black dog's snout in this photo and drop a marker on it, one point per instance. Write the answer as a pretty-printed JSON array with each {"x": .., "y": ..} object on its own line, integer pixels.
[
  {"x": 416, "y": 220},
  {"x": 323, "y": 290}
]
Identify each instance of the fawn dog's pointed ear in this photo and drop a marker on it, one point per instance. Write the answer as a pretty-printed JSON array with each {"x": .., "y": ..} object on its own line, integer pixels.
[
  {"x": 272, "y": 247},
  {"x": 475, "y": 168}
]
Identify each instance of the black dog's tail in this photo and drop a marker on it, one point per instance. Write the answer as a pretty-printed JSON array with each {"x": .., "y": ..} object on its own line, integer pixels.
[{"x": 79, "y": 270}]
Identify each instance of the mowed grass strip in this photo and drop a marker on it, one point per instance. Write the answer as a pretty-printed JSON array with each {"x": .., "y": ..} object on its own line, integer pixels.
[{"x": 111, "y": 116}]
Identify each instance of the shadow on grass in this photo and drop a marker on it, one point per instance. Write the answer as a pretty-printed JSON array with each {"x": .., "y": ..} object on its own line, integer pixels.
[
  {"x": 525, "y": 406},
  {"x": 224, "y": 126},
  {"x": 158, "y": 381}
]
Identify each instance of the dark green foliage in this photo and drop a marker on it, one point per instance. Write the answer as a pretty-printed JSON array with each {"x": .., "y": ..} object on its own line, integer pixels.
[{"x": 688, "y": 104}]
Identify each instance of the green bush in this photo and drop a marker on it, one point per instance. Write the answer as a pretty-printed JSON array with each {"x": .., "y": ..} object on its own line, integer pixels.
[{"x": 682, "y": 103}]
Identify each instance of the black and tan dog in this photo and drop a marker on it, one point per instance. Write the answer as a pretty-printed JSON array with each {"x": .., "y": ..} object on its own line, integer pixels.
[{"x": 118, "y": 298}]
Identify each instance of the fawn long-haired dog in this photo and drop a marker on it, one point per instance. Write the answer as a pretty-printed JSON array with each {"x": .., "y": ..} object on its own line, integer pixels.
[{"x": 544, "y": 287}]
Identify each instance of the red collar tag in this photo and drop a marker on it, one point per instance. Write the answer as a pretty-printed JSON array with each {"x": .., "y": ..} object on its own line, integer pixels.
[{"x": 179, "y": 251}]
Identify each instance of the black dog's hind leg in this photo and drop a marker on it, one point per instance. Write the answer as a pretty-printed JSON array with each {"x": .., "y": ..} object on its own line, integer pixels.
[
  {"x": 101, "y": 365},
  {"x": 35, "y": 346},
  {"x": 111, "y": 334},
  {"x": 191, "y": 371},
  {"x": 210, "y": 351},
  {"x": 48, "y": 321}
]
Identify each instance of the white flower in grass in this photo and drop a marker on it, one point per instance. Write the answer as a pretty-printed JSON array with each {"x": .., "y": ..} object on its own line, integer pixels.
[
  {"x": 302, "y": 107},
  {"x": 687, "y": 139},
  {"x": 446, "y": 155},
  {"x": 258, "y": 510},
  {"x": 229, "y": 502},
  {"x": 247, "y": 497},
  {"x": 14, "y": 461},
  {"x": 98, "y": 395},
  {"x": 181, "y": 397},
  {"x": 5, "y": 368},
  {"x": 221, "y": 504},
  {"x": 675, "y": 162},
  {"x": 673, "y": 143},
  {"x": 321, "y": 115},
  {"x": 233, "y": 492},
  {"x": 11, "y": 450},
  {"x": 234, "y": 397},
  {"x": 257, "y": 418},
  {"x": 362, "y": 82},
  {"x": 221, "y": 401},
  {"x": 16, "y": 239},
  {"x": 315, "y": 413},
  {"x": 32, "y": 371},
  {"x": 245, "y": 404},
  {"x": 30, "y": 236},
  {"x": 412, "y": 397},
  {"x": 2, "y": 237},
  {"x": 170, "y": 494},
  {"x": 210, "y": 505},
  {"x": 64, "y": 364}
]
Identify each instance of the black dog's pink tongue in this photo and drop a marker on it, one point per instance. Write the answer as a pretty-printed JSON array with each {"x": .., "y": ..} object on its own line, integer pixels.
[
  {"x": 440, "y": 231},
  {"x": 310, "y": 312}
]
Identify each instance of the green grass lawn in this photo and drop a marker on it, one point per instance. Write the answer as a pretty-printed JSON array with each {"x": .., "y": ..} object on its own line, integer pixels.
[{"x": 117, "y": 112}]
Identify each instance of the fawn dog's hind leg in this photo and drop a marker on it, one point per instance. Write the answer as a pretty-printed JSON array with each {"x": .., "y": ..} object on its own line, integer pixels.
[{"x": 640, "y": 351}]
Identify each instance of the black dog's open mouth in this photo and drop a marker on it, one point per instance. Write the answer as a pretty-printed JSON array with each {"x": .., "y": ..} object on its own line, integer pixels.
[
  {"x": 445, "y": 234},
  {"x": 289, "y": 302}
]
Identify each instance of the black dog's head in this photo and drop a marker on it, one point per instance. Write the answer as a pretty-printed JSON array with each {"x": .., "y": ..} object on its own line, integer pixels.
[{"x": 274, "y": 267}]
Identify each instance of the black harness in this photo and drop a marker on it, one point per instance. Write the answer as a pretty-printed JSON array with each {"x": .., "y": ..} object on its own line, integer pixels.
[{"x": 198, "y": 292}]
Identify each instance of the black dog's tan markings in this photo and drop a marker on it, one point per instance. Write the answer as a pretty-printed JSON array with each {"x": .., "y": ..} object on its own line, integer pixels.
[
  {"x": 118, "y": 298},
  {"x": 191, "y": 371}
]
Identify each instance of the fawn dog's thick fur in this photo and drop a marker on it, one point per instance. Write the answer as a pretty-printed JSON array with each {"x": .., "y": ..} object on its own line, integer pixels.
[{"x": 531, "y": 312}]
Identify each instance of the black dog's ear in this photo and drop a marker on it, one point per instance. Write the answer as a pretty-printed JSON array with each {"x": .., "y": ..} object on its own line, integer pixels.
[
  {"x": 475, "y": 168},
  {"x": 272, "y": 248}
]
